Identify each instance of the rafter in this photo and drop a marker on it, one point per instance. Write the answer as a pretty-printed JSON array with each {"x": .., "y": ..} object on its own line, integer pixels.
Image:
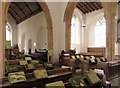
[
  {"x": 34, "y": 12},
  {"x": 38, "y": 5},
  {"x": 100, "y": 5},
  {"x": 19, "y": 8},
  {"x": 96, "y": 3},
  {"x": 83, "y": 6},
  {"x": 87, "y": 5},
  {"x": 12, "y": 16},
  {"x": 28, "y": 7},
  {"x": 93, "y": 8},
  {"x": 81, "y": 9},
  {"x": 15, "y": 12}
]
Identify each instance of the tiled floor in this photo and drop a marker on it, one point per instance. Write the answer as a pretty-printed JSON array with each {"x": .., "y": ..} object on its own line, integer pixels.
[{"x": 115, "y": 83}]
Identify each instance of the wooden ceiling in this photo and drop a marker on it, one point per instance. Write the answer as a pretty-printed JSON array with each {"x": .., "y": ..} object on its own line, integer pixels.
[
  {"x": 87, "y": 6},
  {"x": 21, "y": 11}
]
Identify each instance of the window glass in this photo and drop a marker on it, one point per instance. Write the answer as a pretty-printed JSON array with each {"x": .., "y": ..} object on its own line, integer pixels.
[
  {"x": 100, "y": 33},
  {"x": 75, "y": 30},
  {"x": 8, "y": 36}
]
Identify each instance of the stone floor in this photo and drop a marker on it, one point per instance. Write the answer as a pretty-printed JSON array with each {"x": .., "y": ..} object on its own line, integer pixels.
[{"x": 115, "y": 83}]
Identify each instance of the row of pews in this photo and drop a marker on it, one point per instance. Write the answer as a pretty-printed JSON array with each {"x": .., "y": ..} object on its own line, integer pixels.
[
  {"x": 59, "y": 74},
  {"x": 82, "y": 61}
]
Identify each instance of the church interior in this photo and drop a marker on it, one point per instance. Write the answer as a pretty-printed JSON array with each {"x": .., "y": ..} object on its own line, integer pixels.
[{"x": 59, "y": 44}]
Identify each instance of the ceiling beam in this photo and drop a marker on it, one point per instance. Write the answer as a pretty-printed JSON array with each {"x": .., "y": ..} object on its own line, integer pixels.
[
  {"x": 83, "y": 6},
  {"x": 39, "y": 6},
  {"x": 92, "y": 7},
  {"x": 15, "y": 12},
  {"x": 19, "y": 8},
  {"x": 96, "y": 3},
  {"x": 13, "y": 16},
  {"x": 30, "y": 15},
  {"x": 100, "y": 5},
  {"x": 28, "y": 7},
  {"x": 83, "y": 11},
  {"x": 87, "y": 5}
]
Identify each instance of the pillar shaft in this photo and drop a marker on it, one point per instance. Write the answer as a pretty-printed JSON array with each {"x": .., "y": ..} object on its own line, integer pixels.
[
  {"x": 50, "y": 37},
  {"x": 110, "y": 12},
  {"x": 67, "y": 36},
  {"x": 2, "y": 39}
]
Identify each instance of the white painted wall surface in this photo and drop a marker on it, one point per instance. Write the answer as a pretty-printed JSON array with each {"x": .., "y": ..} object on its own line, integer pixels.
[
  {"x": 57, "y": 10},
  {"x": 14, "y": 27},
  {"x": 118, "y": 35},
  {"x": 35, "y": 29},
  {"x": 78, "y": 47},
  {"x": 91, "y": 20}
]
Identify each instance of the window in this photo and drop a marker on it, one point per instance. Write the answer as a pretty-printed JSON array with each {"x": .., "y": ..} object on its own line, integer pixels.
[
  {"x": 75, "y": 31},
  {"x": 8, "y": 36},
  {"x": 100, "y": 33}
]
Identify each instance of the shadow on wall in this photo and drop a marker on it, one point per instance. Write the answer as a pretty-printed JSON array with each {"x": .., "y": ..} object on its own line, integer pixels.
[
  {"x": 23, "y": 41},
  {"x": 29, "y": 44}
]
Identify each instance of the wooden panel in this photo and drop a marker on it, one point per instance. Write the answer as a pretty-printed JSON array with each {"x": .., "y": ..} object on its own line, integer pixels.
[
  {"x": 21, "y": 11},
  {"x": 87, "y": 6},
  {"x": 96, "y": 49}
]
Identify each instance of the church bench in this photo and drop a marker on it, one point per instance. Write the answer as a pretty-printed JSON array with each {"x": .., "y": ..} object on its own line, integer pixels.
[{"x": 62, "y": 74}]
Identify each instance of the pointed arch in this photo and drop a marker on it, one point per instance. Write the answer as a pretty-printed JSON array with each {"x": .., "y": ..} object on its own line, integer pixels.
[
  {"x": 3, "y": 13},
  {"x": 67, "y": 19}
]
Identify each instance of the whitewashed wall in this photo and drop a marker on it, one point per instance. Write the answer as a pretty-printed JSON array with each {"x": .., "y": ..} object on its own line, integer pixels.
[
  {"x": 91, "y": 20},
  {"x": 35, "y": 29},
  {"x": 57, "y": 10},
  {"x": 118, "y": 44},
  {"x": 79, "y": 47},
  {"x": 14, "y": 30}
]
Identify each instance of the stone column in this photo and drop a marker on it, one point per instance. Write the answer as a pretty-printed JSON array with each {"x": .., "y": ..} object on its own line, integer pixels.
[
  {"x": 67, "y": 35},
  {"x": 50, "y": 37},
  {"x": 2, "y": 38},
  {"x": 110, "y": 12},
  {"x": 67, "y": 18}
]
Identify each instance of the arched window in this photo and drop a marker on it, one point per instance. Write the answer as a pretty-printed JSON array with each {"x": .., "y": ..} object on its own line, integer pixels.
[
  {"x": 8, "y": 36},
  {"x": 75, "y": 30},
  {"x": 75, "y": 33},
  {"x": 100, "y": 33}
]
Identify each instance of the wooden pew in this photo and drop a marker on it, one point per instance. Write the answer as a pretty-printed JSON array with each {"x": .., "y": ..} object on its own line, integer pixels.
[{"x": 61, "y": 74}]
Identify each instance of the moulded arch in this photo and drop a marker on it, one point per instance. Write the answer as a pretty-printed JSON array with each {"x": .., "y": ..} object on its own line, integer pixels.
[{"x": 67, "y": 19}]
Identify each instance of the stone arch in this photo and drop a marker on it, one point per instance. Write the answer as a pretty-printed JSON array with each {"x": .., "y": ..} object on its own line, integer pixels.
[
  {"x": 48, "y": 20},
  {"x": 67, "y": 19}
]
